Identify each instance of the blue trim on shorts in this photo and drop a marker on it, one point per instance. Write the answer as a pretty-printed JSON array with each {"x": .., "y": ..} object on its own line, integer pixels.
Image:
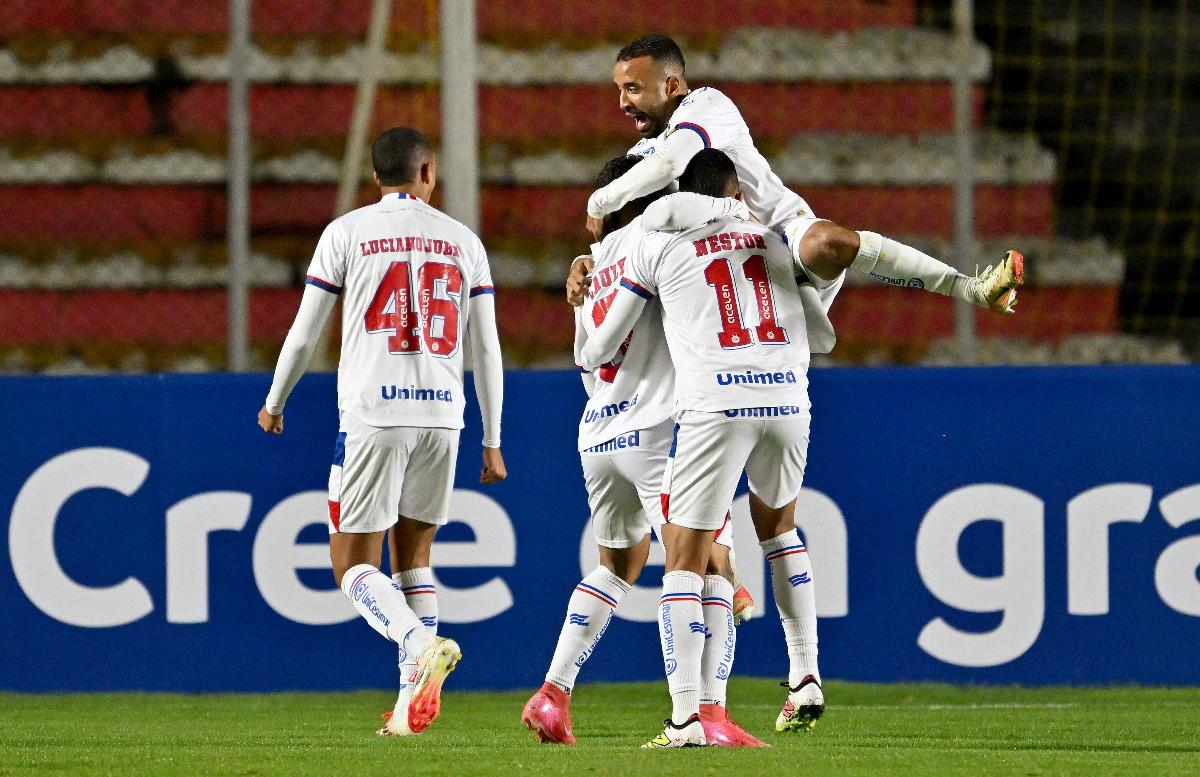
[{"x": 339, "y": 450}]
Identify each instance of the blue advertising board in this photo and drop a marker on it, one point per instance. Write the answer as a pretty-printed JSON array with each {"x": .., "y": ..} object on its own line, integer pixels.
[{"x": 1035, "y": 526}]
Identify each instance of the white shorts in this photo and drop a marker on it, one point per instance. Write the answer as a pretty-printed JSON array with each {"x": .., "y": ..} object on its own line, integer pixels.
[
  {"x": 380, "y": 473},
  {"x": 712, "y": 449},
  {"x": 624, "y": 480}
]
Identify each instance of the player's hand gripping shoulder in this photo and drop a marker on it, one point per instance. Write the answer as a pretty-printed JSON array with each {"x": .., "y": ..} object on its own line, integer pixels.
[
  {"x": 493, "y": 467},
  {"x": 579, "y": 279},
  {"x": 686, "y": 210},
  {"x": 270, "y": 423}
]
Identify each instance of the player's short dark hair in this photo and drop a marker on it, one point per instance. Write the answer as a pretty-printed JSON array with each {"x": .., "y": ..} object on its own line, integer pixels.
[
  {"x": 657, "y": 46},
  {"x": 615, "y": 168},
  {"x": 398, "y": 153},
  {"x": 709, "y": 172}
]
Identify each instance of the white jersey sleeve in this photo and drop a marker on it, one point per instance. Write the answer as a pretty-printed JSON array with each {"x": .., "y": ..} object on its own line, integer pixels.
[
  {"x": 712, "y": 116},
  {"x": 487, "y": 366},
  {"x": 327, "y": 270},
  {"x": 732, "y": 314},
  {"x": 715, "y": 119},
  {"x": 635, "y": 390},
  {"x": 299, "y": 345},
  {"x": 657, "y": 171},
  {"x": 686, "y": 210}
]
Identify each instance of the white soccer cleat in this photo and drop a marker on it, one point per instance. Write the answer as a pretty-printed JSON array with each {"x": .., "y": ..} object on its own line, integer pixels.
[
  {"x": 690, "y": 734},
  {"x": 804, "y": 705},
  {"x": 434, "y": 665},
  {"x": 996, "y": 287}
]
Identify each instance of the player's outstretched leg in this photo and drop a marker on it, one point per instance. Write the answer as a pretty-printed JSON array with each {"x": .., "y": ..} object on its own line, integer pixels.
[
  {"x": 792, "y": 581},
  {"x": 720, "y": 640},
  {"x": 898, "y": 264},
  {"x": 589, "y": 611},
  {"x": 828, "y": 249}
]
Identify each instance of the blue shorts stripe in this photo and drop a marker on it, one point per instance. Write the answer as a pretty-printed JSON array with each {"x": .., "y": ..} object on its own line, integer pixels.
[{"x": 339, "y": 450}]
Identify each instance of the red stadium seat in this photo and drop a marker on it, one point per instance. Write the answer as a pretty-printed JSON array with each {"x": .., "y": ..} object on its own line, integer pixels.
[
  {"x": 517, "y": 18},
  {"x": 285, "y": 113}
]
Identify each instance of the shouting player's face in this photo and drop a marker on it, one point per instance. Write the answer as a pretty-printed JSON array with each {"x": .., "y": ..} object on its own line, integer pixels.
[{"x": 648, "y": 94}]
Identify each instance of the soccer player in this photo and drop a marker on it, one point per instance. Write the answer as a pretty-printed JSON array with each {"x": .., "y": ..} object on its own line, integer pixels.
[
  {"x": 624, "y": 443},
  {"x": 414, "y": 283},
  {"x": 735, "y": 327},
  {"x": 676, "y": 122}
]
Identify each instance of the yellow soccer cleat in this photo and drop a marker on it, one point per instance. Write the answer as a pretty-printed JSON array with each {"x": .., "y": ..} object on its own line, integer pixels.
[
  {"x": 690, "y": 734},
  {"x": 434, "y": 665},
  {"x": 996, "y": 287},
  {"x": 805, "y": 703}
]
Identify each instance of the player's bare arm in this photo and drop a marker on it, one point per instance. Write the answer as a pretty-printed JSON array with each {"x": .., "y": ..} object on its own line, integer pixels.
[
  {"x": 579, "y": 279},
  {"x": 269, "y": 422}
]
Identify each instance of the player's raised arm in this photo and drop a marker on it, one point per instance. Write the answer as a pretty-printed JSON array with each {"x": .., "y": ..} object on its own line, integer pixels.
[
  {"x": 685, "y": 210},
  {"x": 489, "y": 382},
  {"x": 659, "y": 170}
]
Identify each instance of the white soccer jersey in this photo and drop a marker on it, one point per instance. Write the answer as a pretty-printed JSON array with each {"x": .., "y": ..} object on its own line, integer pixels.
[
  {"x": 718, "y": 122},
  {"x": 406, "y": 273},
  {"x": 732, "y": 314},
  {"x": 636, "y": 390}
]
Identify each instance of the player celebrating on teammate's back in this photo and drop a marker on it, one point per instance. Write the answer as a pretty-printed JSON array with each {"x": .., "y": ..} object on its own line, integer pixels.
[
  {"x": 675, "y": 123},
  {"x": 625, "y": 437},
  {"x": 414, "y": 282},
  {"x": 742, "y": 404}
]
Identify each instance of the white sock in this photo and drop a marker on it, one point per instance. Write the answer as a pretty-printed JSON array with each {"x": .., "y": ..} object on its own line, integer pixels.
[
  {"x": 719, "y": 641},
  {"x": 899, "y": 265},
  {"x": 792, "y": 582},
  {"x": 421, "y": 597},
  {"x": 589, "y": 612},
  {"x": 681, "y": 631},
  {"x": 381, "y": 603}
]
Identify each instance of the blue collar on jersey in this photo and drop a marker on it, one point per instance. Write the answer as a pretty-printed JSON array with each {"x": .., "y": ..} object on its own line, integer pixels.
[{"x": 400, "y": 196}]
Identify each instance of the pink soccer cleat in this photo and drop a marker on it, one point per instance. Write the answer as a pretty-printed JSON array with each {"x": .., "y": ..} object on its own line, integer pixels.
[
  {"x": 743, "y": 606},
  {"x": 548, "y": 714},
  {"x": 721, "y": 731}
]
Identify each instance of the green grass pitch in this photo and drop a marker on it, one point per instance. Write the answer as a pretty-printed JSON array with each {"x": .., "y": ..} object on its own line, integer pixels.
[{"x": 867, "y": 729}]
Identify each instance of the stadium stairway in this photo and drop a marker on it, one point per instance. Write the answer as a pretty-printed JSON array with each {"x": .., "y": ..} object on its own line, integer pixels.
[{"x": 113, "y": 130}]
